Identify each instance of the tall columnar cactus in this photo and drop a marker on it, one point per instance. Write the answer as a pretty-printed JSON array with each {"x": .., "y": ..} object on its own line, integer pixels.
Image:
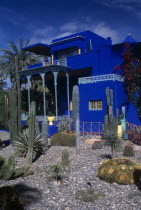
[
  {"x": 110, "y": 126},
  {"x": 75, "y": 104},
  {"x": 45, "y": 134},
  {"x": 37, "y": 129},
  {"x": 31, "y": 133},
  {"x": 65, "y": 157},
  {"x": 12, "y": 121},
  {"x": 77, "y": 133}
]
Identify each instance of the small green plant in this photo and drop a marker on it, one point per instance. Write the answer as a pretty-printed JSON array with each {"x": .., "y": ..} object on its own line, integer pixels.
[
  {"x": 65, "y": 157},
  {"x": 21, "y": 144},
  {"x": 97, "y": 145},
  {"x": 57, "y": 170},
  {"x": 128, "y": 151}
]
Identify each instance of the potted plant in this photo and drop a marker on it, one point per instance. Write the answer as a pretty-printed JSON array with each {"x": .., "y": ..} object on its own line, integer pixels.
[{"x": 51, "y": 117}]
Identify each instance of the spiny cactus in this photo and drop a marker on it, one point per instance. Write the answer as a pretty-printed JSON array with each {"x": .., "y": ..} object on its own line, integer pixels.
[
  {"x": 65, "y": 125},
  {"x": 77, "y": 134},
  {"x": 75, "y": 104},
  {"x": 97, "y": 145},
  {"x": 65, "y": 157},
  {"x": 37, "y": 129},
  {"x": 31, "y": 133},
  {"x": 45, "y": 134},
  {"x": 63, "y": 139},
  {"x": 128, "y": 151},
  {"x": 120, "y": 170},
  {"x": 110, "y": 126},
  {"x": 89, "y": 195},
  {"x": 8, "y": 171}
]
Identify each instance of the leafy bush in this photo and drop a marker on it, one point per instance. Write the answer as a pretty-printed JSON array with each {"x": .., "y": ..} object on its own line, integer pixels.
[
  {"x": 21, "y": 144},
  {"x": 128, "y": 151},
  {"x": 63, "y": 139},
  {"x": 97, "y": 145}
]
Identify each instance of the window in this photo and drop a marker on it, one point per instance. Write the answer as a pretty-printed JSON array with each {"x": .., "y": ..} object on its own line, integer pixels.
[{"x": 95, "y": 105}]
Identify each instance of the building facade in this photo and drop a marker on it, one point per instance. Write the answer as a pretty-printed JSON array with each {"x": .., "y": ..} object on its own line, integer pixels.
[{"x": 87, "y": 60}]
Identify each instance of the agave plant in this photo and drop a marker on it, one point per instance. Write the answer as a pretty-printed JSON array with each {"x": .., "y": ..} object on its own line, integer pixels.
[
  {"x": 65, "y": 125},
  {"x": 21, "y": 144}
]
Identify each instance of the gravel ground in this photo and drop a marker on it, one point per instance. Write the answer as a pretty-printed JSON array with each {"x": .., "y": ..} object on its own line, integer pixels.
[{"x": 38, "y": 192}]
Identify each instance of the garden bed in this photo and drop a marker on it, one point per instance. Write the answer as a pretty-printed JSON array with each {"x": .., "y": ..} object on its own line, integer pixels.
[{"x": 38, "y": 192}]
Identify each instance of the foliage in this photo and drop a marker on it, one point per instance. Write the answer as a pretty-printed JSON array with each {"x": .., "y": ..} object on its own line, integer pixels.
[
  {"x": 9, "y": 199},
  {"x": 130, "y": 68},
  {"x": 8, "y": 171},
  {"x": 65, "y": 157},
  {"x": 2, "y": 106},
  {"x": 21, "y": 144},
  {"x": 63, "y": 139},
  {"x": 65, "y": 125},
  {"x": 128, "y": 151},
  {"x": 7, "y": 64},
  {"x": 89, "y": 195},
  {"x": 56, "y": 169},
  {"x": 120, "y": 170},
  {"x": 97, "y": 145}
]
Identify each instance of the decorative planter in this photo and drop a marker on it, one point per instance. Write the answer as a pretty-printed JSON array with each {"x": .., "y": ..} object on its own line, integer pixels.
[
  {"x": 51, "y": 119},
  {"x": 119, "y": 132}
]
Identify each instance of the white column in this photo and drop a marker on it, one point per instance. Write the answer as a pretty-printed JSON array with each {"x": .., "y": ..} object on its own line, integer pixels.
[
  {"x": 68, "y": 97},
  {"x": 29, "y": 84},
  {"x": 55, "y": 84},
  {"x": 44, "y": 93}
]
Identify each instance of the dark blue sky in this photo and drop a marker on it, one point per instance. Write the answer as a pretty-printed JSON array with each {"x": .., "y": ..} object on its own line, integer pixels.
[{"x": 44, "y": 20}]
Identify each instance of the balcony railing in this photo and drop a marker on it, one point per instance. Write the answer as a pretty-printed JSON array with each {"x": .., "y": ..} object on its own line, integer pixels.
[
  {"x": 106, "y": 77},
  {"x": 61, "y": 62}
]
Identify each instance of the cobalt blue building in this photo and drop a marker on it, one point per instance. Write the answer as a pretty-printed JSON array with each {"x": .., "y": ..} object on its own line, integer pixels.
[{"x": 87, "y": 60}]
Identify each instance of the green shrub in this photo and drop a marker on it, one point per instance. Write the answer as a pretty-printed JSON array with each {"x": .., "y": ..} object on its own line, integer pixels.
[
  {"x": 128, "y": 151},
  {"x": 97, "y": 145},
  {"x": 65, "y": 157},
  {"x": 63, "y": 139},
  {"x": 89, "y": 195}
]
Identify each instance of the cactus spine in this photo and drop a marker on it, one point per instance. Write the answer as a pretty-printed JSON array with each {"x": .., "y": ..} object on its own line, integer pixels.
[
  {"x": 45, "y": 134},
  {"x": 75, "y": 104},
  {"x": 31, "y": 133},
  {"x": 110, "y": 126},
  {"x": 77, "y": 134}
]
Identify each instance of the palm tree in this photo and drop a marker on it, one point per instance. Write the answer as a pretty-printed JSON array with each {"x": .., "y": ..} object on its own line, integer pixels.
[{"x": 11, "y": 62}]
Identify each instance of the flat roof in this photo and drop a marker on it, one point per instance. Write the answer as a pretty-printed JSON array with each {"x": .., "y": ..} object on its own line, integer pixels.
[{"x": 39, "y": 48}]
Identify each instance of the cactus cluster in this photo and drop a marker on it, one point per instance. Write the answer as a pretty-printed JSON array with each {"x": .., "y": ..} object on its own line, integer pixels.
[
  {"x": 110, "y": 126},
  {"x": 8, "y": 171},
  {"x": 120, "y": 170},
  {"x": 89, "y": 195},
  {"x": 128, "y": 151},
  {"x": 97, "y": 145},
  {"x": 65, "y": 157},
  {"x": 63, "y": 139}
]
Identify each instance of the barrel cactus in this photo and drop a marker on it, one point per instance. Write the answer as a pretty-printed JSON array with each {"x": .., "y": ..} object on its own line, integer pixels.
[
  {"x": 89, "y": 195},
  {"x": 128, "y": 151},
  {"x": 97, "y": 145},
  {"x": 120, "y": 170},
  {"x": 63, "y": 139}
]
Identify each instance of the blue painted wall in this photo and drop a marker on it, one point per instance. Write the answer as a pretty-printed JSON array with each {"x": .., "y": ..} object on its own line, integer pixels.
[{"x": 96, "y": 91}]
